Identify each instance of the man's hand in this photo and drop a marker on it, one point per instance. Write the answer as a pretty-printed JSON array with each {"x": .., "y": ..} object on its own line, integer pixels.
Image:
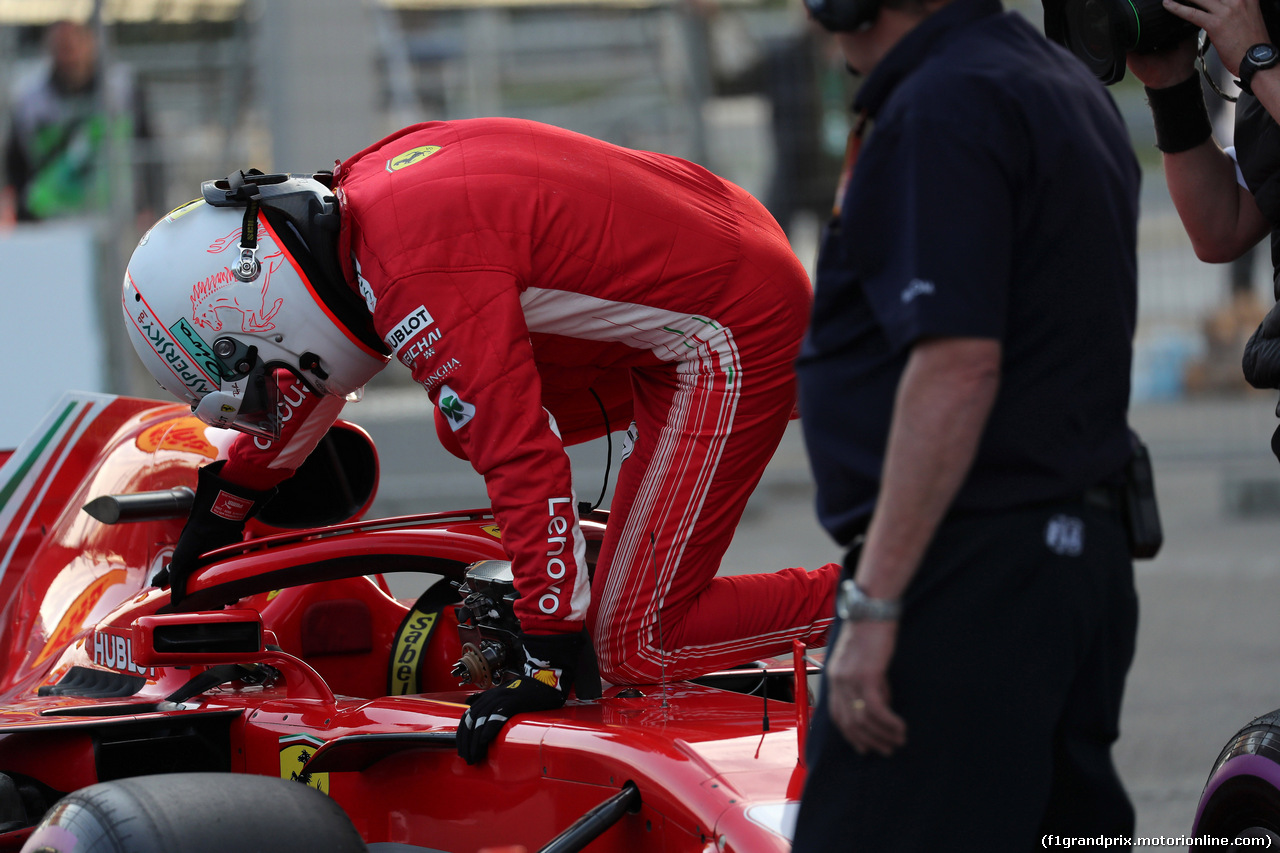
[
  {"x": 218, "y": 515},
  {"x": 858, "y": 689},
  {"x": 944, "y": 397},
  {"x": 549, "y": 669},
  {"x": 1232, "y": 25},
  {"x": 1165, "y": 68}
]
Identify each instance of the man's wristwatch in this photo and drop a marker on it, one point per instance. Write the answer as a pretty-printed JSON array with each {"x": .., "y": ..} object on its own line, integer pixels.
[
  {"x": 854, "y": 605},
  {"x": 1260, "y": 57}
]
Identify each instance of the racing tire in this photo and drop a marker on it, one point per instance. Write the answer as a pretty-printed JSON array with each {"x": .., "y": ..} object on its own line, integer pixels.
[
  {"x": 195, "y": 813},
  {"x": 1241, "y": 799}
]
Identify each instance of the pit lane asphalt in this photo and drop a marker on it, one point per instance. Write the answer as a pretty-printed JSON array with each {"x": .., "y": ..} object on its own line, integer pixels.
[{"x": 1208, "y": 656}]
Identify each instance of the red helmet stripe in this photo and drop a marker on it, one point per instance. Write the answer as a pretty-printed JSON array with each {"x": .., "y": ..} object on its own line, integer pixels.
[{"x": 262, "y": 220}]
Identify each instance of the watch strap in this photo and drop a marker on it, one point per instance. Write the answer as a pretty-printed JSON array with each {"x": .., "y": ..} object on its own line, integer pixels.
[
  {"x": 854, "y": 605},
  {"x": 1250, "y": 66}
]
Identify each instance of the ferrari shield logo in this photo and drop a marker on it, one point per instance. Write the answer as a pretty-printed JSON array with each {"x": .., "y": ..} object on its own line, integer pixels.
[
  {"x": 413, "y": 155},
  {"x": 295, "y": 752}
]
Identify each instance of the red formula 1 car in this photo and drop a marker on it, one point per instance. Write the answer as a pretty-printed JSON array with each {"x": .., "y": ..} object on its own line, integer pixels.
[{"x": 134, "y": 728}]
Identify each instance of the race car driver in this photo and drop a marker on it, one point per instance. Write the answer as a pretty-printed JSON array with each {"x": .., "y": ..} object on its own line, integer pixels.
[{"x": 538, "y": 283}]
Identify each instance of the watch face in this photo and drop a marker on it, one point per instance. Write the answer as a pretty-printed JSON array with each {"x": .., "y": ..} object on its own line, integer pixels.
[{"x": 1262, "y": 54}]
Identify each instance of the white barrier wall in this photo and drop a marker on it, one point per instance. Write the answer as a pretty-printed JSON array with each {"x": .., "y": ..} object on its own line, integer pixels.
[{"x": 51, "y": 337}]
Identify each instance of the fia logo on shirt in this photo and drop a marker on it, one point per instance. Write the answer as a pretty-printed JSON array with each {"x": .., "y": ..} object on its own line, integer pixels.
[
  {"x": 917, "y": 287},
  {"x": 1065, "y": 535}
]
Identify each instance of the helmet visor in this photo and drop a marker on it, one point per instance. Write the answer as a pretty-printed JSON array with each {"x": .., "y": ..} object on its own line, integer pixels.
[{"x": 249, "y": 403}]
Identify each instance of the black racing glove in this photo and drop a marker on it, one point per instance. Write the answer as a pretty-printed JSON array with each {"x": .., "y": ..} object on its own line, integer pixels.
[
  {"x": 218, "y": 515},
  {"x": 548, "y": 675},
  {"x": 1261, "y": 360}
]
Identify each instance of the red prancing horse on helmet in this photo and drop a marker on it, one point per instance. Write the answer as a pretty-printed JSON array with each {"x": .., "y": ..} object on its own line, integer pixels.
[{"x": 223, "y": 290}]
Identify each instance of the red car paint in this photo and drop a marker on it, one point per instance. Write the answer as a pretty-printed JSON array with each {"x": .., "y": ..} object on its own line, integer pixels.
[{"x": 712, "y": 772}]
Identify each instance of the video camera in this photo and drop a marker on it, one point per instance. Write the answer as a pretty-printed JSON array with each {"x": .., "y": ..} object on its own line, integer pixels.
[{"x": 1101, "y": 32}]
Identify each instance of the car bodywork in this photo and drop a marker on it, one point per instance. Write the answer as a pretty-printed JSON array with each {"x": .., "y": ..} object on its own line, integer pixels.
[{"x": 292, "y": 657}]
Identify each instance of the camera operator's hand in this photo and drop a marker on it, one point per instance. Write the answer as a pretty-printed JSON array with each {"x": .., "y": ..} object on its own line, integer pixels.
[
  {"x": 1233, "y": 26},
  {"x": 1261, "y": 361},
  {"x": 1164, "y": 68}
]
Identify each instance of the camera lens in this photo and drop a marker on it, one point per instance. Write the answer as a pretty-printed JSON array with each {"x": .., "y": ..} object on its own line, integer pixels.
[
  {"x": 1101, "y": 32},
  {"x": 1094, "y": 37}
]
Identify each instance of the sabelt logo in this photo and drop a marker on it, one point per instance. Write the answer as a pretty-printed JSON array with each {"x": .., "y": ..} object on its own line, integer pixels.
[
  {"x": 413, "y": 323},
  {"x": 411, "y": 642}
]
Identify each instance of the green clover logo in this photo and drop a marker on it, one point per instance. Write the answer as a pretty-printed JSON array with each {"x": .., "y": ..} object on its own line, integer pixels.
[{"x": 452, "y": 408}]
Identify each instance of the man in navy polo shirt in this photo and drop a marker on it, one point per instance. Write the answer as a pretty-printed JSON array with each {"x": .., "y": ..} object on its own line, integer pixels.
[{"x": 964, "y": 389}]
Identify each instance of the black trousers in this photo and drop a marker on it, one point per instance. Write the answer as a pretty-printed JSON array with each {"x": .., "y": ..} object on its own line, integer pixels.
[{"x": 1016, "y": 636}]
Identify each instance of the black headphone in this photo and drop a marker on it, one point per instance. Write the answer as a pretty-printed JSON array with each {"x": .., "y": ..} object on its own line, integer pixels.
[{"x": 843, "y": 15}]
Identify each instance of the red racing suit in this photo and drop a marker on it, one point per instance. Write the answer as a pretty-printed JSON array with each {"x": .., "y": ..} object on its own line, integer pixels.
[{"x": 516, "y": 268}]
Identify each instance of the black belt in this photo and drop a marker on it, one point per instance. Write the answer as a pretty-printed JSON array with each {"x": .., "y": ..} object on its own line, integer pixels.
[
  {"x": 1103, "y": 497},
  {"x": 1099, "y": 497}
]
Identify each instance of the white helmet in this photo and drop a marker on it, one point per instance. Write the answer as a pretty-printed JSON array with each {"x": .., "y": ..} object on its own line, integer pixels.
[{"x": 226, "y": 290}]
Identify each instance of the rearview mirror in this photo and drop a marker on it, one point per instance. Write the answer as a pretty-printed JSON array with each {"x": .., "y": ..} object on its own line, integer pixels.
[{"x": 224, "y": 636}]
